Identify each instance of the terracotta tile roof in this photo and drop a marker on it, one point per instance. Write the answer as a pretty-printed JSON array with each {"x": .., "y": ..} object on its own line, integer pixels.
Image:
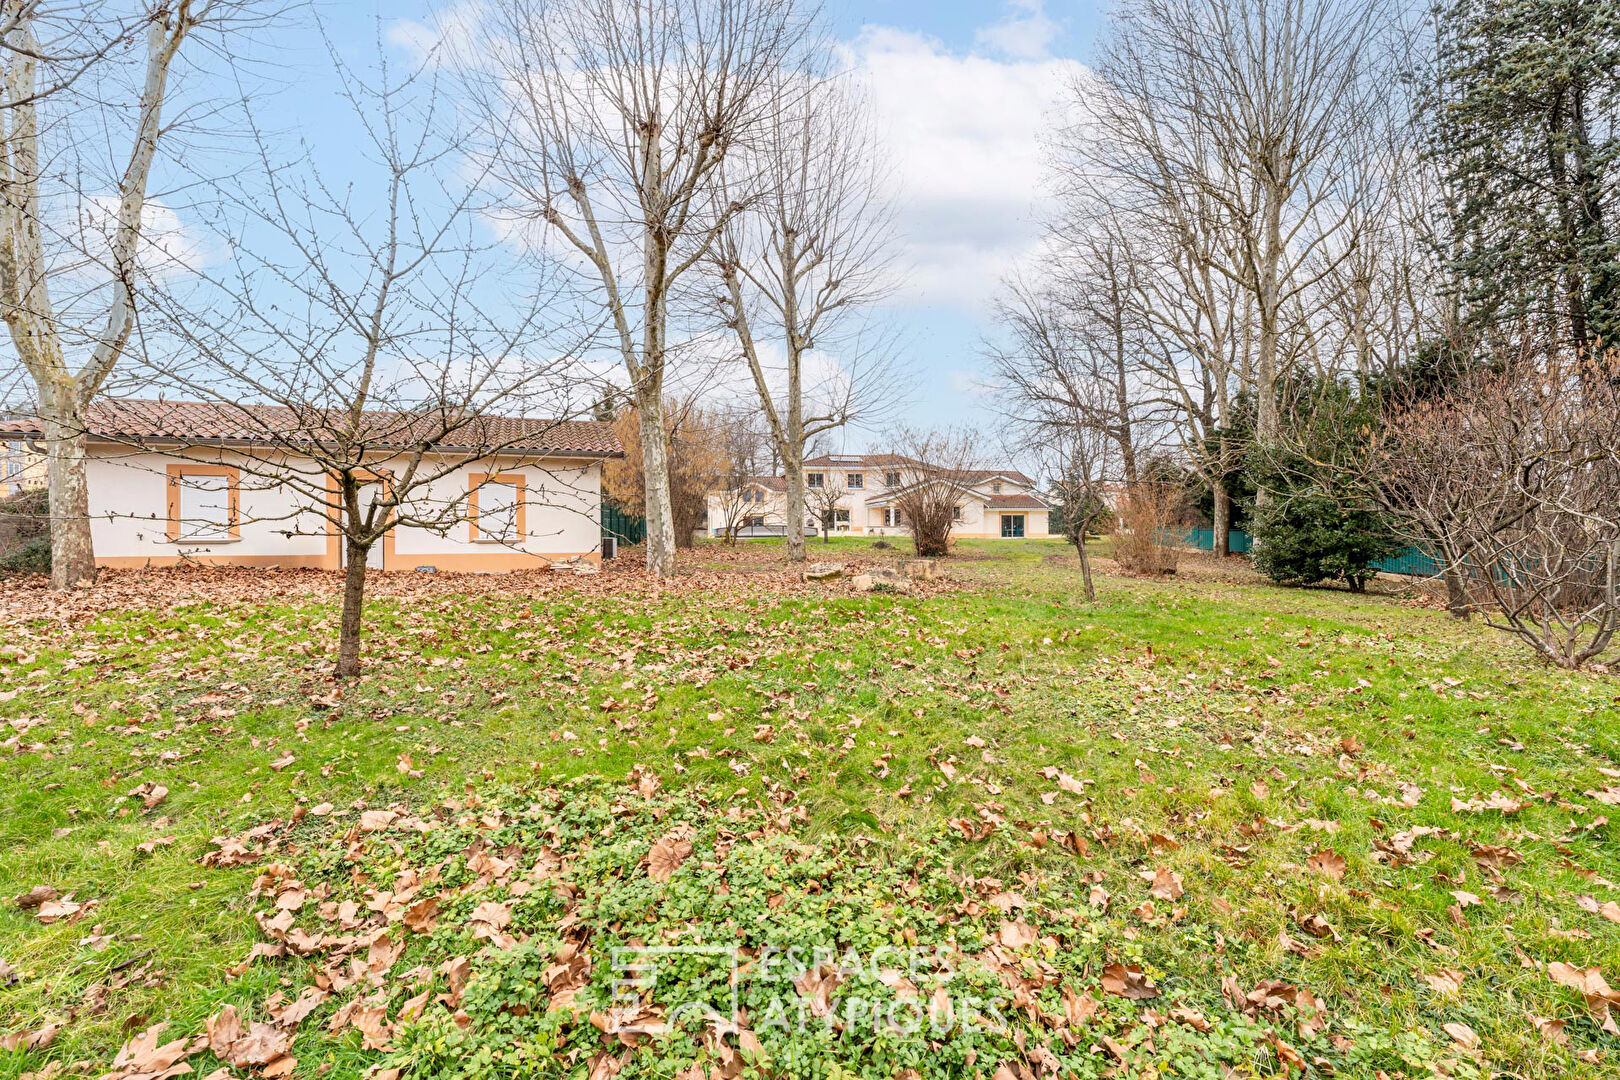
[
  {"x": 139, "y": 419},
  {"x": 1014, "y": 502},
  {"x": 769, "y": 483}
]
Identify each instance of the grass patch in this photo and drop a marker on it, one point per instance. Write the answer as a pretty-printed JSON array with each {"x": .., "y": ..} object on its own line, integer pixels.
[{"x": 997, "y": 736}]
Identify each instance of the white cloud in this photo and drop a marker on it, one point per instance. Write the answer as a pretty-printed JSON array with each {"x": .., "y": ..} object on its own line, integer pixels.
[
  {"x": 1026, "y": 33},
  {"x": 964, "y": 132},
  {"x": 167, "y": 246},
  {"x": 970, "y": 384},
  {"x": 452, "y": 31}
]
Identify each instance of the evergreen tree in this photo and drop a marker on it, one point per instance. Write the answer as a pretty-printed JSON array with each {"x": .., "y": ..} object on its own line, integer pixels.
[
  {"x": 1523, "y": 121},
  {"x": 1317, "y": 526}
]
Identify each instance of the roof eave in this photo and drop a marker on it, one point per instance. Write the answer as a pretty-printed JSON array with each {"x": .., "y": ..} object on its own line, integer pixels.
[{"x": 158, "y": 442}]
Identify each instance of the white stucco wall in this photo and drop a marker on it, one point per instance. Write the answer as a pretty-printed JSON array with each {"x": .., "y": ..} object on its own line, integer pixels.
[
  {"x": 561, "y": 511},
  {"x": 130, "y": 517}
]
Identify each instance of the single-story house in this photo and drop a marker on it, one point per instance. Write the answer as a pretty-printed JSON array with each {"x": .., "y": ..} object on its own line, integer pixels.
[{"x": 190, "y": 482}]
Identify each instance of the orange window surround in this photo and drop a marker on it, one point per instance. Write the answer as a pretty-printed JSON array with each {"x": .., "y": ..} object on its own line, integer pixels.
[
  {"x": 477, "y": 481},
  {"x": 233, "y": 480}
]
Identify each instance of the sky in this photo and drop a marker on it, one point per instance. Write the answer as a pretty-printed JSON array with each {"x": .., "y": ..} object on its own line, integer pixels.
[{"x": 961, "y": 93}]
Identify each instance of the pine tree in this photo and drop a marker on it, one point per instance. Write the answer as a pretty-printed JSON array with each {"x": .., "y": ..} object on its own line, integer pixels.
[{"x": 1523, "y": 121}]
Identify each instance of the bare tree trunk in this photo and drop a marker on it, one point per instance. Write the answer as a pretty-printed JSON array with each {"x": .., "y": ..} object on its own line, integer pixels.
[
  {"x": 1269, "y": 304},
  {"x": 1222, "y": 544},
  {"x": 793, "y": 468},
  {"x": 793, "y": 449},
  {"x": 1085, "y": 566},
  {"x": 1456, "y": 594},
  {"x": 73, "y": 559},
  {"x": 354, "y": 599},
  {"x": 1458, "y": 603},
  {"x": 655, "y": 471}
]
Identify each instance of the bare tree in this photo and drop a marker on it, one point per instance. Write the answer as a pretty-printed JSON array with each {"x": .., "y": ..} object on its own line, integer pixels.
[
  {"x": 66, "y": 42},
  {"x": 1068, "y": 375},
  {"x": 364, "y": 339},
  {"x": 1079, "y": 466},
  {"x": 734, "y": 504},
  {"x": 825, "y": 502},
  {"x": 1073, "y": 351},
  {"x": 944, "y": 468},
  {"x": 43, "y": 243},
  {"x": 800, "y": 268},
  {"x": 621, "y": 114},
  {"x": 1513, "y": 481},
  {"x": 1226, "y": 128},
  {"x": 735, "y": 500}
]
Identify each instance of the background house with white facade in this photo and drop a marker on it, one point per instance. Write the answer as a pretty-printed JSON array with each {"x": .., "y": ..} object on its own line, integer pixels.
[
  {"x": 22, "y": 466},
  {"x": 187, "y": 482},
  {"x": 861, "y": 491}
]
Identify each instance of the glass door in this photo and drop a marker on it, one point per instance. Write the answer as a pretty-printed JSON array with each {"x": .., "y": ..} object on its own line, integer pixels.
[{"x": 1012, "y": 524}]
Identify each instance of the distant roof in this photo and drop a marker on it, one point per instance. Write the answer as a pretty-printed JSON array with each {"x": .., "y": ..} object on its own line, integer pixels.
[
  {"x": 976, "y": 482},
  {"x": 894, "y": 461},
  {"x": 770, "y": 483},
  {"x": 1015, "y": 502},
  {"x": 861, "y": 461},
  {"x": 140, "y": 419},
  {"x": 979, "y": 476}
]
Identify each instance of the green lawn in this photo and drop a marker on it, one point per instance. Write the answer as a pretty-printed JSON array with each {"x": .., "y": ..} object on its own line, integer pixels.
[{"x": 1208, "y": 778}]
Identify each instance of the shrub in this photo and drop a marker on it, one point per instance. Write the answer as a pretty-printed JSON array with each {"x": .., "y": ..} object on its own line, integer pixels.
[
  {"x": 1152, "y": 511},
  {"x": 25, "y": 534},
  {"x": 1305, "y": 539}
]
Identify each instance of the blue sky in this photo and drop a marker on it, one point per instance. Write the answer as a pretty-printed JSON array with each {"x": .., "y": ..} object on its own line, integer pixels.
[{"x": 961, "y": 92}]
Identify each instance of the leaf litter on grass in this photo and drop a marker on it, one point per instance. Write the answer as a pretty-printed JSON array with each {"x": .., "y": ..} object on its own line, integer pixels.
[
  {"x": 1406, "y": 889},
  {"x": 478, "y": 936}
]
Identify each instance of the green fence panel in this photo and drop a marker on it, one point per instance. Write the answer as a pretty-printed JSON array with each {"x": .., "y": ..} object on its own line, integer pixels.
[
  {"x": 1411, "y": 562},
  {"x": 1237, "y": 540},
  {"x": 628, "y": 528}
]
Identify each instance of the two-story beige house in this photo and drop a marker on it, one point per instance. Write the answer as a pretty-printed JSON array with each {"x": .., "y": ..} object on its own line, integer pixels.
[
  {"x": 22, "y": 467},
  {"x": 860, "y": 491}
]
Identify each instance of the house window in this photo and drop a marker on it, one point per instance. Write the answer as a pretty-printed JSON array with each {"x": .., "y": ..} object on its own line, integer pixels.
[
  {"x": 995, "y": 488},
  {"x": 204, "y": 503},
  {"x": 855, "y": 481},
  {"x": 755, "y": 521},
  {"x": 891, "y": 516},
  {"x": 841, "y": 517},
  {"x": 956, "y": 513},
  {"x": 495, "y": 507},
  {"x": 891, "y": 479},
  {"x": 815, "y": 479}
]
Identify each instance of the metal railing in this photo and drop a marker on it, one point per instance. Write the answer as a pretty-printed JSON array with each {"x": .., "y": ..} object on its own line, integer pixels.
[{"x": 628, "y": 528}]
